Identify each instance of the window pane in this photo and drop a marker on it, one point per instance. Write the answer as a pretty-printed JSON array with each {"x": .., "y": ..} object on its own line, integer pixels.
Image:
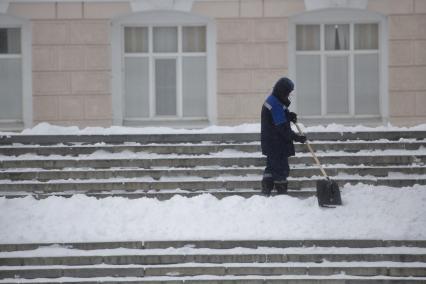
[
  {"x": 194, "y": 86},
  {"x": 194, "y": 39},
  {"x": 165, "y": 39},
  {"x": 10, "y": 41},
  {"x": 135, "y": 39},
  {"x": 11, "y": 88},
  {"x": 308, "y": 87},
  {"x": 308, "y": 37},
  {"x": 367, "y": 80},
  {"x": 165, "y": 86},
  {"x": 366, "y": 36},
  {"x": 136, "y": 87},
  {"x": 337, "y": 37},
  {"x": 337, "y": 85}
]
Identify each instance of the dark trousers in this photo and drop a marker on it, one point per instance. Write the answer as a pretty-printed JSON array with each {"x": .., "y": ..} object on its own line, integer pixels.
[{"x": 277, "y": 168}]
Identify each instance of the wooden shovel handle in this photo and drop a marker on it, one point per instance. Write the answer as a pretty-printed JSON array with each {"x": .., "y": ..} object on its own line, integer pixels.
[{"x": 313, "y": 153}]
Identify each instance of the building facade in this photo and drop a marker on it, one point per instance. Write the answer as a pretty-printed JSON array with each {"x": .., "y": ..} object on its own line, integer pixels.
[{"x": 192, "y": 63}]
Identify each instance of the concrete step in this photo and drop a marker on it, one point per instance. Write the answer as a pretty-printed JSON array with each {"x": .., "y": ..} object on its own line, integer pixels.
[
  {"x": 216, "y": 258},
  {"x": 405, "y": 158},
  {"x": 194, "y": 185},
  {"x": 204, "y": 148},
  {"x": 297, "y": 279},
  {"x": 393, "y": 269},
  {"x": 160, "y": 195},
  {"x": 385, "y": 261},
  {"x": 164, "y": 258},
  {"x": 307, "y": 171},
  {"x": 194, "y": 138}
]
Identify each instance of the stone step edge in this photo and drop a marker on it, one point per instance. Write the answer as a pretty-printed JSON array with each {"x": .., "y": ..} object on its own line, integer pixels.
[
  {"x": 266, "y": 265},
  {"x": 331, "y": 279},
  {"x": 250, "y": 146},
  {"x": 162, "y": 259},
  {"x": 206, "y": 143},
  {"x": 208, "y": 168},
  {"x": 163, "y": 195},
  {"x": 210, "y": 158},
  {"x": 42, "y": 175},
  {"x": 224, "y": 270},
  {"x": 298, "y": 189},
  {"x": 237, "y": 155},
  {"x": 230, "y": 180},
  {"x": 189, "y": 137}
]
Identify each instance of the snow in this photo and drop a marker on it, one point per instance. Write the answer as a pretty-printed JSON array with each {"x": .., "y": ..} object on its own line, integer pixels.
[
  {"x": 368, "y": 213},
  {"x": 45, "y": 128},
  {"x": 64, "y": 251}
]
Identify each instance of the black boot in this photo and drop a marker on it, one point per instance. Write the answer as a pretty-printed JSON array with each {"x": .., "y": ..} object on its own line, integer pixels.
[
  {"x": 267, "y": 186},
  {"x": 281, "y": 186}
]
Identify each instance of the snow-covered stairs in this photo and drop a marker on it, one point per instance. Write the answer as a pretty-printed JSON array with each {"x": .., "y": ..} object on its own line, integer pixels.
[
  {"x": 222, "y": 164},
  {"x": 288, "y": 261}
]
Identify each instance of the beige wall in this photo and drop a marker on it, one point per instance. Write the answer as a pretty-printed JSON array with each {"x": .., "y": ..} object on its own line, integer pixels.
[
  {"x": 407, "y": 59},
  {"x": 72, "y": 61},
  {"x": 252, "y": 41},
  {"x": 251, "y": 55}
]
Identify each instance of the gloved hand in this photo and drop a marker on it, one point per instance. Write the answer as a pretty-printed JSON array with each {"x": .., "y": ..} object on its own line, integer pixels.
[
  {"x": 300, "y": 138},
  {"x": 292, "y": 117}
]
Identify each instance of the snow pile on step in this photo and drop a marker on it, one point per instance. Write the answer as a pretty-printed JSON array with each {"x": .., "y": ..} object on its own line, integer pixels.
[
  {"x": 45, "y": 128},
  {"x": 64, "y": 251},
  {"x": 368, "y": 213}
]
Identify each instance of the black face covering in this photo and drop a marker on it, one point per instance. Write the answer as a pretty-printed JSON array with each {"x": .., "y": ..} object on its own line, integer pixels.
[{"x": 286, "y": 101}]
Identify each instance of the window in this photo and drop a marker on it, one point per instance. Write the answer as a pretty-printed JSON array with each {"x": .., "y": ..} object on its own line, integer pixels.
[
  {"x": 165, "y": 72},
  {"x": 10, "y": 75},
  {"x": 337, "y": 69}
]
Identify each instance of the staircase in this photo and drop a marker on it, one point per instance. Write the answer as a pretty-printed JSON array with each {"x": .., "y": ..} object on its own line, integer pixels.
[
  {"x": 162, "y": 166},
  {"x": 330, "y": 261}
]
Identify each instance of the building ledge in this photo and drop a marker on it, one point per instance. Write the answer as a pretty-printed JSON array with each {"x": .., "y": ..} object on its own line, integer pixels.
[
  {"x": 151, "y": 5},
  {"x": 326, "y": 4},
  {"x": 183, "y": 123}
]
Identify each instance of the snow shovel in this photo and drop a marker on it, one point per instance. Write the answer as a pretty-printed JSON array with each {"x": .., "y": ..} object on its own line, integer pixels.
[{"x": 328, "y": 192}]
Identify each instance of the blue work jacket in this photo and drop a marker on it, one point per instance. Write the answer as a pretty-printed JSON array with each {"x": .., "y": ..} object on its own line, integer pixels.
[{"x": 276, "y": 133}]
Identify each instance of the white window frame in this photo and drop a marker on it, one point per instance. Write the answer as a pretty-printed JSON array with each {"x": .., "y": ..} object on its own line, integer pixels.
[
  {"x": 351, "y": 17},
  {"x": 152, "y": 56},
  {"x": 7, "y": 21},
  {"x": 166, "y": 19}
]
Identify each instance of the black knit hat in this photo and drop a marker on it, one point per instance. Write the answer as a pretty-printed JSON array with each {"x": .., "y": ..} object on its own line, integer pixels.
[{"x": 283, "y": 86}]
